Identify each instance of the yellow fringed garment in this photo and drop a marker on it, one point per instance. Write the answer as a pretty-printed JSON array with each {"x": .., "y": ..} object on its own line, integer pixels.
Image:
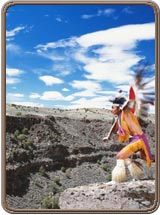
[{"x": 139, "y": 141}]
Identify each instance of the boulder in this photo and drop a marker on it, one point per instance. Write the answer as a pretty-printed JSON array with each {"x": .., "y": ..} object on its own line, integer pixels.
[{"x": 133, "y": 195}]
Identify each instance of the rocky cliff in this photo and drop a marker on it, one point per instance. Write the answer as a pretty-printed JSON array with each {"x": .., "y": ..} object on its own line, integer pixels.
[{"x": 49, "y": 151}]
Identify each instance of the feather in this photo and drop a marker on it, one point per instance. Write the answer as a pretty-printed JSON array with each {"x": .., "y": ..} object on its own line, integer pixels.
[{"x": 143, "y": 86}]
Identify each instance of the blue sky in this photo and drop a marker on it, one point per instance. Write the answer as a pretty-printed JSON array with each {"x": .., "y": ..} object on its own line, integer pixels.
[{"x": 75, "y": 56}]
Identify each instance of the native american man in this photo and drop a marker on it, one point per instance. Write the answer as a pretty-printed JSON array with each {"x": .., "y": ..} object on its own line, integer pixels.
[{"x": 129, "y": 130}]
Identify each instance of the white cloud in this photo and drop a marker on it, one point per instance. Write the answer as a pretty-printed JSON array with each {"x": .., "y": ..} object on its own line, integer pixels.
[
  {"x": 12, "y": 80},
  {"x": 65, "y": 90},
  {"x": 91, "y": 88},
  {"x": 107, "y": 12},
  {"x": 50, "y": 80},
  {"x": 84, "y": 93},
  {"x": 88, "y": 16},
  {"x": 59, "y": 44},
  {"x": 11, "y": 97},
  {"x": 114, "y": 56},
  {"x": 59, "y": 19},
  {"x": 13, "y": 72},
  {"x": 98, "y": 102},
  {"x": 14, "y": 31},
  {"x": 103, "y": 56},
  {"x": 15, "y": 95},
  {"x": 65, "y": 73},
  {"x": 114, "y": 36},
  {"x": 34, "y": 96},
  {"x": 12, "y": 75},
  {"x": 13, "y": 48},
  {"x": 127, "y": 10},
  {"x": 89, "y": 85},
  {"x": 54, "y": 96}
]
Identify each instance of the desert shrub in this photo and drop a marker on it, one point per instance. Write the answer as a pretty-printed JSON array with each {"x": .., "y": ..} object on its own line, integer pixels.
[
  {"x": 16, "y": 133},
  {"x": 25, "y": 131},
  {"x": 55, "y": 204},
  {"x": 50, "y": 202},
  {"x": 57, "y": 180},
  {"x": 37, "y": 184},
  {"x": 54, "y": 188},
  {"x": 109, "y": 177},
  {"x": 27, "y": 144},
  {"x": 42, "y": 171},
  {"x": 47, "y": 202},
  {"x": 13, "y": 153},
  {"x": 19, "y": 113},
  {"x": 68, "y": 173},
  {"x": 104, "y": 167},
  {"x": 99, "y": 162},
  {"x": 63, "y": 169},
  {"x": 21, "y": 137}
]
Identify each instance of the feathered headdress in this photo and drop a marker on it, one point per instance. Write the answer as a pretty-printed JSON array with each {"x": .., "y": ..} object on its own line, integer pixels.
[
  {"x": 141, "y": 93},
  {"x": 143, "y": 89}
]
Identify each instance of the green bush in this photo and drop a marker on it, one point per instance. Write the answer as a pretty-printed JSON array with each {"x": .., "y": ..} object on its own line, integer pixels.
[
  {"x": 16, "y": 133},
  {"x": 57, "y": 180},
  {"x": 104, "y": 167},
  {"x": 63, "y": 169},
  {"x": 21, "y": 137},
  {"x": 54, "y": 188},
  {"x": 25, "y": 131},
  {"x": 68, "y": 173},
  {"x": 109, "y": 177},
  {"x": 50, "y": 202},
  {"x": 42, "y": 171},
  {"x": 18, "y": 114},
  {"x": 37, "y": 183}
]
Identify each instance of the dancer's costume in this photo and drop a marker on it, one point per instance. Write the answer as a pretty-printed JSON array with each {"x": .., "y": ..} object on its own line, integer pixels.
[
  {"x": 136, "y": 142},
  {"x": 127, "y": 127}
]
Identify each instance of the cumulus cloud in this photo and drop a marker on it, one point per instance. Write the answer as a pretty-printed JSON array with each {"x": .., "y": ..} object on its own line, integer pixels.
[
  {"x": 12, "y": 75},
  {"x": 34, "y": 96},
  {"x": 98, "y": 102},
  {"x": 50, "y": 80},
  {"x": 13, "y": 72},
  {"x": 87, "y": 84},
  {"x": 55, "y": 96},
  {"x": 88, "y": 88}
]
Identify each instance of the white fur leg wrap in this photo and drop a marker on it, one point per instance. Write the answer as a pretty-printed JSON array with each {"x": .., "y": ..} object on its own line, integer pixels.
[
  {"x": 119, "y": 172},
  {"x": 135, "y": 170}
]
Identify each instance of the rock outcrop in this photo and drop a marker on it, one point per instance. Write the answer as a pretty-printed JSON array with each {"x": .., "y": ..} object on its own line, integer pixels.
[
  {"x": 137, "y": 195},
  {"x": 51, "y": 150}
]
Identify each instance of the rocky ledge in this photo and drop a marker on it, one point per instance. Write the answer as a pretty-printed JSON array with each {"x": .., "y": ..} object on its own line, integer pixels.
[{"x": 137, "y": 195}]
